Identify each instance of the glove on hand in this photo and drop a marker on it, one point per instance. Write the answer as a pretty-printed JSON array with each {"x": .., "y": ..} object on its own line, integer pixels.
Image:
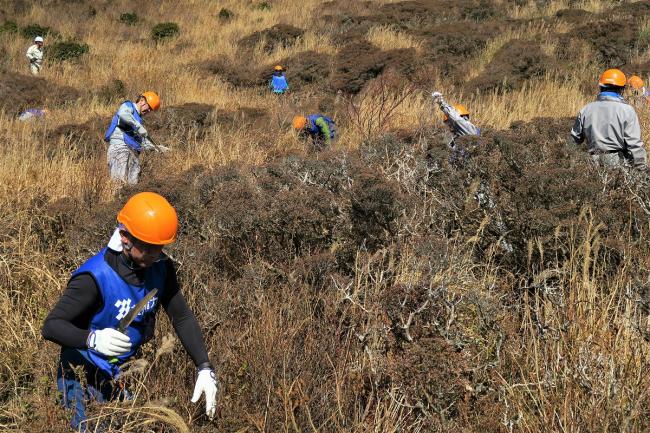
[
  {"x": 142, "y": 132},
  {"x": 206, "y": 382},
  {"x": 437, "y": 97},
  {"x": 162, "y": 149},
  {"x": 109, "y": 342}
]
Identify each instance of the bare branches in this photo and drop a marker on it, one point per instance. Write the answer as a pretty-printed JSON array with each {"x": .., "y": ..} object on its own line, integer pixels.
[{"x": 375, "y": 109}]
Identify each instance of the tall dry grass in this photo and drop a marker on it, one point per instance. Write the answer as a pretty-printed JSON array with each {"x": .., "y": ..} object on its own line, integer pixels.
[{"x": 579, "y": 362}]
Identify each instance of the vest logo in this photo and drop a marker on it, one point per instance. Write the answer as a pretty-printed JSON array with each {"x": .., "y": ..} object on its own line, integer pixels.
[{"x": 124, "y": 307}]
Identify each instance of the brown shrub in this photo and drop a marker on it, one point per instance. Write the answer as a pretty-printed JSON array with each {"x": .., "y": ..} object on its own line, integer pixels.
[
  {"x": 243, "y": 117},
  {"x": 180, "y": 119},
  {"x": 238, "y": 74},
  {"x": 307, "y": 67},
  {"x": 511, "y": 66},
  {"x": 613, "y": 41},
  {"x": 573, "y": 16},
  {"x": 360, "y": 62},
  {"x": 279, "y": 35},
  {"x": 19, "y": 92}
]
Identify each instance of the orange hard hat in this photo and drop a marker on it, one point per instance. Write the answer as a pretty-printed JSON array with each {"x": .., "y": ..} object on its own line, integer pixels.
[
  {"x": 461, "y": 109},
  {"x": 150, "y": 218},
  {"x": 299, "y": 122},
  {"x": 635, "y": 81},
  {"x": 278, "y": 68},
  {"x": 152, "y": 99},
  {"x": 612, "y": 77}
]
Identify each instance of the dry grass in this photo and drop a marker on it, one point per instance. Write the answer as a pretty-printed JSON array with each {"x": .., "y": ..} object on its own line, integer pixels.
[
  {"x": 388, "y": 38},
  {"x": 576, "y": 359}
]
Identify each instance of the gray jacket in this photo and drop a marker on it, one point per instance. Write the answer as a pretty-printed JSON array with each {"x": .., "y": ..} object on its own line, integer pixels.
[
  {"x": 126, "y": 118},
  {"x": 459, "y": 125},
  {"x": 610, "y": 125}
]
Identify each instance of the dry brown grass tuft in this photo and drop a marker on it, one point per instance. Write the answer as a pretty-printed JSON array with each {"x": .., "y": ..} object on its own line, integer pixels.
[{"x": 362, "y": 289}]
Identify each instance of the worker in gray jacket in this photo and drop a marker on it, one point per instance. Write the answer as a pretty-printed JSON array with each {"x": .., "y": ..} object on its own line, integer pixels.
[
  {"x": 610, "y": 126},
  {"x": 127, "y": 137},
  {"x": 35, "y": 55},
  {"x": 456, "y": 118}
]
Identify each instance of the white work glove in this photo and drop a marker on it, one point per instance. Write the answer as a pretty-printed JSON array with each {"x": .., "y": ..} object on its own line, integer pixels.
[
  {"x": 437, "y": 97},
  {"x": 162, "y": 149},
  {"x": 109, "y": 342},
  {"x": 142, "y": 132},
  {"x": 206, "y": 382}
]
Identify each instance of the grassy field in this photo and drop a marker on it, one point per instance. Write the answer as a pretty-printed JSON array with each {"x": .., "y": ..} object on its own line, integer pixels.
[{"x": 365, "y": 288}]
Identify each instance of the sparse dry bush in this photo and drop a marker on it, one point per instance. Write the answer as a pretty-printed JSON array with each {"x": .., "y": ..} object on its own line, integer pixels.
[{"x": 377, "y": 286}]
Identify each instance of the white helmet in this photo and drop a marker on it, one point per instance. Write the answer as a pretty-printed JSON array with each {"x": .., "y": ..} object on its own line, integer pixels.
[{"x": 38, "y": 39}]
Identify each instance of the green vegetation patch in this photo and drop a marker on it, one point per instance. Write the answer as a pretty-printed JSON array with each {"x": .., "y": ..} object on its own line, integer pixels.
[
  {"x": 164, "y": 31},
  {"x": 129, "y": 18},
  {"x": 9, "y": 27},
  {"x": 66, "y": 50},
  {"x": 32, "y": 30}
]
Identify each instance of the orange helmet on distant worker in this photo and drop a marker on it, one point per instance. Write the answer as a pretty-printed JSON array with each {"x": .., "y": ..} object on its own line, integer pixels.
[
  {"x": 150, "y": 218},
  {"x": 462, "y": 110},
  {"x": 278, "y": 68},
  {"x": 152, "y": 99},
  {"x": 612, "y": 77},
  {"x": 635, "y": 82},
  {"x": 299, "y": 122}
]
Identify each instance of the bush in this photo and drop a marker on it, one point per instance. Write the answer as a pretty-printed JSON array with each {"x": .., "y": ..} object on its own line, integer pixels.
[
  {"x": 66, "y": 50},
  {"x": 162, "y": 31},
  {"x": 112, "y": 91},
  {"x": 226, "y": 14},
  {"x": 129, "y": 18},
  {"x": 263, "y": 6},
  {"x": 33, "y": 30},
  {"x": 8, "y": 27}
]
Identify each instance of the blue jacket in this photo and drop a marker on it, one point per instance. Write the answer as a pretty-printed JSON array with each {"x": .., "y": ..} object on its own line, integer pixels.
[
  {"x": 118, "y": 298},
  {"x": 313, "y": 128},
  {"x": 131, "y": 137},
  {"x": 279, "y": 84}
]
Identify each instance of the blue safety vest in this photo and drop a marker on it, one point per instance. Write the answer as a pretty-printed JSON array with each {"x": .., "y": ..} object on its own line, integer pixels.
[
  {"x": 131, "y": 138},
  {"x": 118, "y": 297},
  {"x": 279, "y": 83},
  {"x": 315, "y": 130}
]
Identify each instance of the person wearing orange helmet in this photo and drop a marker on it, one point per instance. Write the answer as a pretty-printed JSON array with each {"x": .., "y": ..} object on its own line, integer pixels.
[
  {"x": 638, "y": 94},
  {"x": 317, "y": 127},
  {"x": 278, "y": 83},
  {"x": 86, "y": 321},
  {"x": 456, "y": 117},
  {"x": 610, "y": 126},
  {"x": 127, "y": 137}
]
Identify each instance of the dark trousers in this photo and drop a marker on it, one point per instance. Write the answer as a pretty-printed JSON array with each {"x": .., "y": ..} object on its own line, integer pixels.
[{"x": 80, "y": 381}]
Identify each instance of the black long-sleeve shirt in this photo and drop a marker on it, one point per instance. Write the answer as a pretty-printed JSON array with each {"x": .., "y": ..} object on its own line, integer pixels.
[{"x": 68, "y": 322}]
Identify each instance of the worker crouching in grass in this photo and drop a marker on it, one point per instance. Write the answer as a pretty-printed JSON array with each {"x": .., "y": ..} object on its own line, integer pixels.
[
  {"x": 88, "y": 321},
  {"x": 610, "y": 126},
  {"x": 127, "y": 138},
  {"x": 319, "y": 129}
]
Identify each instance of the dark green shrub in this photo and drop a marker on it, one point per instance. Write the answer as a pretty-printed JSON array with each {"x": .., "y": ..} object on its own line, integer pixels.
[
  {"x": 8, "y": 27},
  {"x": 66, "y": 50},
  {"x": 162, "y": 31},
  {"x": 226, "y": 14},
  {"x": 33, "y": 30},
  {"x": 129, "y": 18},
  {"x": 263, "y": 6}
]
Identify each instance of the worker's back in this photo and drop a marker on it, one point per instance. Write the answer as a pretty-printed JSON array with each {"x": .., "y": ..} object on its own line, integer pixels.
[
  {"x": 610, "y": 125},
  {"x": 603, "y": 123}
]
